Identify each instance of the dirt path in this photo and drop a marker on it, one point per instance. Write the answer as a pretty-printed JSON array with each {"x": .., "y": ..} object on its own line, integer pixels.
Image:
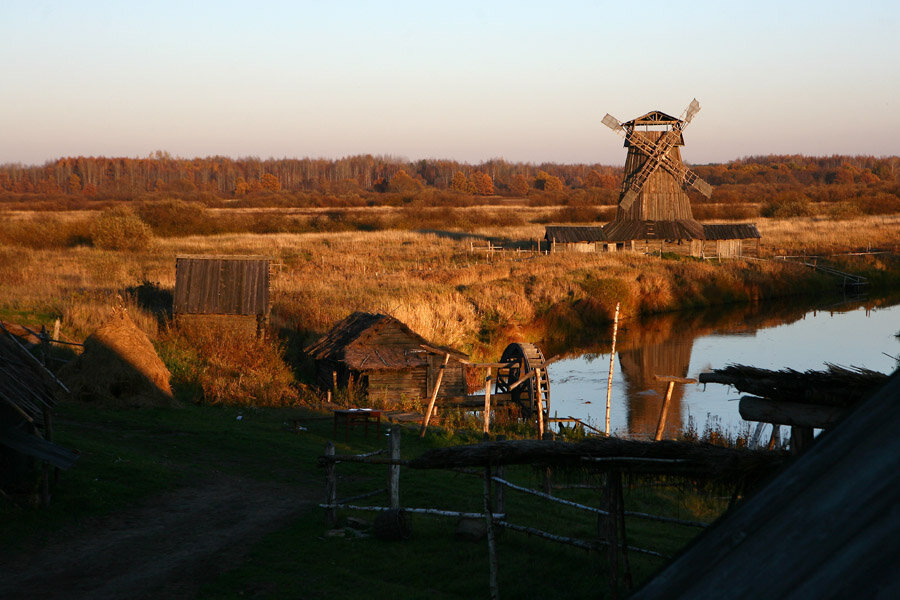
[{"x": 164, "y": 549}]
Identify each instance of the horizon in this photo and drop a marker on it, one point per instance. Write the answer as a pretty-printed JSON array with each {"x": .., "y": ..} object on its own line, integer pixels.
[{"x": 467, "y": 82}]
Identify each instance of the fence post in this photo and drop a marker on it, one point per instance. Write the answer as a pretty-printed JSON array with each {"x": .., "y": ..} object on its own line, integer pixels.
[
  {"x": 330, "y": 486},
  {"x": 492, "y": 545},
  {"x": 394, "y": 469}
]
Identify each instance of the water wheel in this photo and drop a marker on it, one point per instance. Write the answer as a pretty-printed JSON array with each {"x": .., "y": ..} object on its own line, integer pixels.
[{"x": 532, "y": 395}]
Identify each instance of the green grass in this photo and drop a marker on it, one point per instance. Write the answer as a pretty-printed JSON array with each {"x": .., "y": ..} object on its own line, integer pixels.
[{"x": 130, "y": 456}]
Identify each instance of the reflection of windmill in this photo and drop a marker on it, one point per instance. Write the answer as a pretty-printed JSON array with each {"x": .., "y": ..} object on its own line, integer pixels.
[{"x": 654, "y": 203}]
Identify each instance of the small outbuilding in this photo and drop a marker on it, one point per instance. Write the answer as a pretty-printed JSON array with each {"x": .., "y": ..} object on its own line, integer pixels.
[
  {"x": 387, "y": 360},
  {"x": 575, "y": 238},
  {"x": 217, "y": 287}
]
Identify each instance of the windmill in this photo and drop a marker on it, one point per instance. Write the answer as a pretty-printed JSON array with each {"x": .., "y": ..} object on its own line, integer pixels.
[{"x": 655, "y": 176}]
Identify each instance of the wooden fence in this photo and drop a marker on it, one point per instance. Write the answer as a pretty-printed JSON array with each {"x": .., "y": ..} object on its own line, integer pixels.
[{"x": 494, "y": 512}]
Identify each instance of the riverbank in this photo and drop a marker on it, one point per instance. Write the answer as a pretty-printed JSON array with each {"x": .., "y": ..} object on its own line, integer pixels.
[{"x": 436, "y": 281}]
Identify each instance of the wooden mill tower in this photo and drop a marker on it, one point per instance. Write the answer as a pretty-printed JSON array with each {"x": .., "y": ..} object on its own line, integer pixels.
[{"x": 654, "y": 202}]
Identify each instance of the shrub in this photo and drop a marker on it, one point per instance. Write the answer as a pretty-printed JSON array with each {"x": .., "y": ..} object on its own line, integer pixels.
[
  {"x": 787, "y": 204},
  {"x": 173, "y": 218},
  {"x": 120, "y": 228}
]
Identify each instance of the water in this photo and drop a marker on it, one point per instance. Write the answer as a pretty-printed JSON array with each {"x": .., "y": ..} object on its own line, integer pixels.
[{"x": 685, "y": 345}]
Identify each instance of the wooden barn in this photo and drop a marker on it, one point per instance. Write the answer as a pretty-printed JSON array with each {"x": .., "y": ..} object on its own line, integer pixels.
[
  {"x": 233, "y": 289},
  {"x": 28, "y": 393},
  {"x": 386, "y": 359}
]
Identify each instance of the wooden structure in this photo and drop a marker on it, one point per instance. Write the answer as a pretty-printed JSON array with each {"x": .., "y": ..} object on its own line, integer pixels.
[
  {"x": 825, "y": 527},
  {"x": 236, "y": 287},
  {"x": 576, "y": 239},
  {"x": 654, "y": 212},
  {"x": 382, "y": 357},
  {"x": 525, "y": 379},
  {"x": 803, "y": 401},
  {"x": 28, "y": 393}
]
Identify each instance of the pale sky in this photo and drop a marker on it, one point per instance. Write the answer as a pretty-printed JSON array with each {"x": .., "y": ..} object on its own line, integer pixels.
[{"x": 469, "y": 81}]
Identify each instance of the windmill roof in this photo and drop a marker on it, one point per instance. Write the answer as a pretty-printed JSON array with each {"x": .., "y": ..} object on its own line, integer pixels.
[
  {"x": 654, "y": 117},
  {"x": 681, "y": 229}
]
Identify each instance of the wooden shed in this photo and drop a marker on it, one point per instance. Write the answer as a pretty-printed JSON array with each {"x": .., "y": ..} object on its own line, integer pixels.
[
  {"x": 576, "y": 239},
  {"x": 223, "y": 286},
  {"x": 386, "y": 359}
]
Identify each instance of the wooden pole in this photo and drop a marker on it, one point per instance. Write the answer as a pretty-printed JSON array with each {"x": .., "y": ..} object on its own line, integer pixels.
[
  {"x": 434, "y": 393},
  {"x": 487, "y": 402},
  {"x": 612, "y": 360},
  {"x": 330, "y": 487},
  {"x": 394, "y": 469},
  {"x": 613, "y": 488},
  {"x": 660, "y": 427},
  {"x": 492, "y": 545}
]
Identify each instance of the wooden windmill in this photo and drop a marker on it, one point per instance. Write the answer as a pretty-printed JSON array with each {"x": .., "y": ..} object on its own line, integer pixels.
[{"x": 654, "y": 188}]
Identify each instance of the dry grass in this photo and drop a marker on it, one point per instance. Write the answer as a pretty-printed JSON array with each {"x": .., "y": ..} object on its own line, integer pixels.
[{"x": 429, "y": 279}]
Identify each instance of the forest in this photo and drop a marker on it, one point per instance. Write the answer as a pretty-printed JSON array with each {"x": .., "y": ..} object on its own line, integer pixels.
[{"x": 856, "y": 184}]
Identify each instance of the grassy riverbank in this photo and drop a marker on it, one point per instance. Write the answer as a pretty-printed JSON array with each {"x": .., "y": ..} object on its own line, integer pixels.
[{"x": 432, "y": 280}]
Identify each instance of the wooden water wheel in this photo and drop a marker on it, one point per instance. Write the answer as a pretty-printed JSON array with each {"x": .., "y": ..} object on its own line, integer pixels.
[{"x": 533, "y": 394}]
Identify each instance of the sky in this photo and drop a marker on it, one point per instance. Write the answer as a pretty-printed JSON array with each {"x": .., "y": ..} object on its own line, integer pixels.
[{"x": 468, "y": 81}]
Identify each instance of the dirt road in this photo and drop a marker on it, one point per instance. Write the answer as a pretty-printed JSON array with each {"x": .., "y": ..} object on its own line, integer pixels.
[{"x": 164, "y": 549}]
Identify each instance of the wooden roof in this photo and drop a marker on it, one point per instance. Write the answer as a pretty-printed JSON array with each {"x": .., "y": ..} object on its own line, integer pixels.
[
  {"x": 826, "y": 527},
  {"x": 654, "y": 117},
  {"x": 27, "y": 389},
  {"x": 357, "y": 342},
  {"x": 682, "y": 229},
  {"x": 731, "y": 231},
  {"x": 573, "y": 235}
]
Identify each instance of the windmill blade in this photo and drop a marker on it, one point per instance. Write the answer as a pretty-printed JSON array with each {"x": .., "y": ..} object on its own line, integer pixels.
[
  {"x": 656, "y": 153},
  {"x": 692, "y": 109},
  {"x": 688, "y": 177},
  {"x": 613, "y": 123}
]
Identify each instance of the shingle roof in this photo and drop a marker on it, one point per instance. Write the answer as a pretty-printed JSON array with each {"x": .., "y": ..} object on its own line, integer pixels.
[{"x": 573, "y": 235}]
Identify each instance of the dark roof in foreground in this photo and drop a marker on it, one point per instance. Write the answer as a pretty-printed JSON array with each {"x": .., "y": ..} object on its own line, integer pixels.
[
  {"x": 355, "y": 341},
  {"x": 828, "y": 526},
  {"x": 573, "y": 235}
]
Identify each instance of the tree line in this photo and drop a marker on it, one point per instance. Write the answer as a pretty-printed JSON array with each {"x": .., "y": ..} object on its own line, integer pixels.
[{"x": 751, "y": 179}]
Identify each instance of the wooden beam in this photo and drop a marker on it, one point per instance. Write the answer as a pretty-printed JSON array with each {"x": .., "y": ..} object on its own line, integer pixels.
[
  {"x": 753, "y": 408},
  {"x": 434, "y": 393}
]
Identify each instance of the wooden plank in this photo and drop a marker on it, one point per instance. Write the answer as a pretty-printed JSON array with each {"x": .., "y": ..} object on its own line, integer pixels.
[{"x": 753, "y": 408}]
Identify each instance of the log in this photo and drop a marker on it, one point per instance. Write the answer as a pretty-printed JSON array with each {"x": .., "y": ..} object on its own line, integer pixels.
[
  {"x": 434, "y": 393},
  {"x": 753, "y": 408},
  {"x": 661, "y": 426},
  {"x": 612, "y": 362}
]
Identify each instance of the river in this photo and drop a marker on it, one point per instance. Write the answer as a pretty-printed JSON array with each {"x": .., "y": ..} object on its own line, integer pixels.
[{"x": 772, "y": 336}]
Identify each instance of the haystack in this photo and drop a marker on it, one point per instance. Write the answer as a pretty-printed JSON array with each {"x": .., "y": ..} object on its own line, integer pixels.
[{"x": 119, "y": 367}]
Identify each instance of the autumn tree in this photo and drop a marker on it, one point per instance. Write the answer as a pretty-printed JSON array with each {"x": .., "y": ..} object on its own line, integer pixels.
[
  {"x": 518, "y": 185},
  {"x": 269, "y": 182},
  {"x": 74, "y": 183},
  {"x": 483, "y": 184},
  {"x": 460, "y": 183},
  {"x": 241, "y": 187},
  {"x": 547, "y": 182},
  {"x": 402, "y": 183}
]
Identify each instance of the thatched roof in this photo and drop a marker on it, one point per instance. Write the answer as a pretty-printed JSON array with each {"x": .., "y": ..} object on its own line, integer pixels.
[
  {"x": 625, "y": 230},
  {"x": 573, "y": 235},
  {"x": 694, "y": 460},
  {"x": 825, "y": 527},
  {"x": 731, "y": 231},
  {"x": 836, "y": 386},
  {"x": 355, "y": 341}
]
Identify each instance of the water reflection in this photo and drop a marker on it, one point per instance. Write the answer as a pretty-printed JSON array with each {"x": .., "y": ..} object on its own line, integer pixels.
[{"x": 773, "y": 335}]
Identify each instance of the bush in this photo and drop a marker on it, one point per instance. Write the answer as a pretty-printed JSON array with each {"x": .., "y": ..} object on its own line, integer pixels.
[
  {"x": 120, "y": 228},
  {"x": 173, "y": 218},
  {"x": 787, "y": 204}
]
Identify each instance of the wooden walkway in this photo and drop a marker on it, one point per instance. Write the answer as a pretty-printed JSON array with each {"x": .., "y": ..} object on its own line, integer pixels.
[{"x": 846, "y": 280}]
